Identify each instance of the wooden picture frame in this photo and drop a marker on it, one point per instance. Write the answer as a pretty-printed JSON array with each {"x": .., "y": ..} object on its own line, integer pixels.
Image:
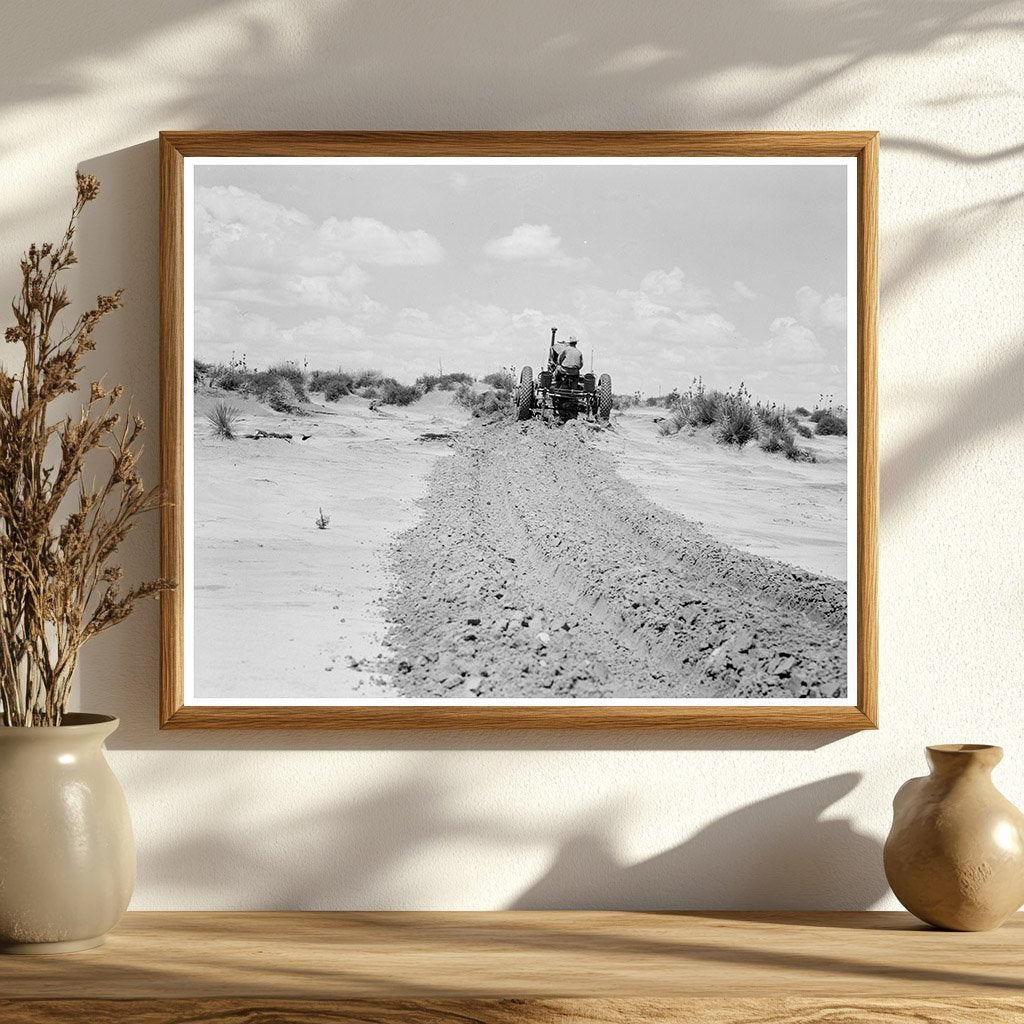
[{"x": 178, "y": 147}]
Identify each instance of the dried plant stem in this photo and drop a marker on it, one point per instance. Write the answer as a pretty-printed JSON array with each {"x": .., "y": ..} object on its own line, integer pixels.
[{"x": 58, "y": 588}]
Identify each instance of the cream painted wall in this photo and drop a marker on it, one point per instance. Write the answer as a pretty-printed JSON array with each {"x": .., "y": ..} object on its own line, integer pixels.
[{"x": 462, "y": 821}]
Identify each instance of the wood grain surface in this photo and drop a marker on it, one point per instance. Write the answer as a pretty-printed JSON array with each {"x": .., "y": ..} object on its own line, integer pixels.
[
  {"x": 176, "y": 146},
  {"x": 524, "y": 966},
  {"x": 515, "y": 1011}
]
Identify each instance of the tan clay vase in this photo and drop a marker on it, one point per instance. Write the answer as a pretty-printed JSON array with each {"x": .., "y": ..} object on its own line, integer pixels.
[
  {"x": 67, "y": 857},
  {"x": 955, "y": 855}
]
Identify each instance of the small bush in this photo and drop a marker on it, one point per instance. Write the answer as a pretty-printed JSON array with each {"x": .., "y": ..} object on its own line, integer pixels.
[
  {"x": 336, "y": 389},
  {"x": 815, "y": 416},
  {"x": 830, "y": 423},
  {"x": 224, "y": 419},
  {"x": 737, "y": 422},
  {"x": 707, "y": 407},
  {"x": 801, "y": 411},
  {"x": 774, "y": 437},
  {"x": 803, "y": 430},
  {"x": 482, "y": 404},
  {"x": 291, "y": 373},
  {"x": 442, "y": 381},
  {"x": 281, "y": 396},
  {"x": 773, "y": 417},
  {"x": 499, "y": 381},
  {"x": 333, "y": 385},
  {"x": 230, "y": 378},
  {"x": 393, "y": 393},
  {"x": 322, "y": 521},
  {"x": 796, "y": 454},
  {"x": 366, "y": 379}
]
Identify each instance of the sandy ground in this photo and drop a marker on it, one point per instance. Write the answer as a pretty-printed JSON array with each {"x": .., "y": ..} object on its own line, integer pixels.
[
  {"x": 515, "y": 561},
  {"x": 538, "y": 571},
  {"x": 791, "y": 511},
  {"x": 283, "y": 609}
]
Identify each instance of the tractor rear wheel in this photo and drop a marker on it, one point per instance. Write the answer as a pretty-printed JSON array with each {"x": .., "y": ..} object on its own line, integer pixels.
[
  {"x": 524, "y": 408},
  {"x": 604, "y": 398}
]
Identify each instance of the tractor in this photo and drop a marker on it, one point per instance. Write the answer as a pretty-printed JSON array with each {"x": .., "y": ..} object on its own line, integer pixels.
[{"x": 557, "y": 395}]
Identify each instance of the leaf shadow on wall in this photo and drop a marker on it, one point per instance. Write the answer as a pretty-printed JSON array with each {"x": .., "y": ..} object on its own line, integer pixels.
[
  {"x": 777, "y": 853},
  {"x": 407, "y": 842}
]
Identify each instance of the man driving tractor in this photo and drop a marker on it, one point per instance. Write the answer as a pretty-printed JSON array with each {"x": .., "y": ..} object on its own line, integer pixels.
[{"x": 565, "y": 360}]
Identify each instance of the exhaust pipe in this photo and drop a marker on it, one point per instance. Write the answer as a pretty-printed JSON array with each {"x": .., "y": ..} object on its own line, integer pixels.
[{"x": 554, "y": 331}]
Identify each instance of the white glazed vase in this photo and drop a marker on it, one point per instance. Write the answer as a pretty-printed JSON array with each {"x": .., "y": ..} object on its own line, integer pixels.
[{"x": 67, "y": 855}]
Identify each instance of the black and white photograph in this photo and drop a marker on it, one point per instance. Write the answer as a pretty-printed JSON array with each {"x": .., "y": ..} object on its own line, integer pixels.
[{"x": 520, "y": 430}]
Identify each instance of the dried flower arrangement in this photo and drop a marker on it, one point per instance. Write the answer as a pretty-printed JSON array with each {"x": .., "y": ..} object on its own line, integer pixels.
[{"x": 58, "y": 588}]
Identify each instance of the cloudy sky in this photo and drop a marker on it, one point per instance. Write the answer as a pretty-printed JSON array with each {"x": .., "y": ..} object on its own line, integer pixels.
[{"x": 664, "y": 273}]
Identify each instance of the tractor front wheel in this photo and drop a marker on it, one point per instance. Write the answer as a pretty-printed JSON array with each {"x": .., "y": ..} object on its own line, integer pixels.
[
  {"x": 524, "y": 408},
  {"x": 604, "y": 398}
]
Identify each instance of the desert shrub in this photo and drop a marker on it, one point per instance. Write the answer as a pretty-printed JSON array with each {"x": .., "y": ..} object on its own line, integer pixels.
[
  {"x": 708, "y": 407},
  {"x": 815, "y": 416},
  {"x": 291, "y": 373},
  {"x": 737, "y": 422},
  {"x": 803, "y": 430},
  {"x": 224, "y": 419},
  {"x": 801, "y": 411},
  {"x": 830, "y": 423},
  {"x": 493, "y": 401},
  {"x": 322, "y": 521},
  {"x": 333, "y": 384},
  {"x": 797, "y": 454},
  {"x": 484, "y": 403},
  {"x": 366, "y": 379},
  {"x": 393, "y": 393},
  {"x": 442, "y": 381},
  {"x": 230, "y": 378},
  {"x": 281, "y": 396},
  {"x": 336, "y": 389},
  {"x": 203, "y": 369},
  {"x": 369, "y": 392},
  {"x": 500, "y": 380},
  {"x": 772, "y": 417},
  {"x": 774, "y": 437}
]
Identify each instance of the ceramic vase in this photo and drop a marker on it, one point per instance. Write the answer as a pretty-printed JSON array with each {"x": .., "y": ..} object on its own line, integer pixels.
[
  {"x": 955, "y": 855},
  {"x": 67, "y": 855}
]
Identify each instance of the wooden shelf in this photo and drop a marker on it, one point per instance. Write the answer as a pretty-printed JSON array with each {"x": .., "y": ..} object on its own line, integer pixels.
[{"x": 500, "y": 968}]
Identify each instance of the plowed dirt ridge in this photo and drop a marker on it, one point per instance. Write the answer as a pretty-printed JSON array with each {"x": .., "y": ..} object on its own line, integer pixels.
[{"x": 536, "y": 571}]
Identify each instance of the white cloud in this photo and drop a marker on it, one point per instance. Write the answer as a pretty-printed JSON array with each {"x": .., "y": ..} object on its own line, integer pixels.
[
  {"x": 534, "y": 243},
  {"x": 328, "y": 291},
  {"x": 741, "y": 291},
  {"x": 792, "y": 342},
  {"x": 366, "y": 240},
  {"x": 818, "y": 311}
]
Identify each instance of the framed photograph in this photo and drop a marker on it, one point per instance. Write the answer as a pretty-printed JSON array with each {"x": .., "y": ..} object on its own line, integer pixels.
[{"x": 519, "y": 430}]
